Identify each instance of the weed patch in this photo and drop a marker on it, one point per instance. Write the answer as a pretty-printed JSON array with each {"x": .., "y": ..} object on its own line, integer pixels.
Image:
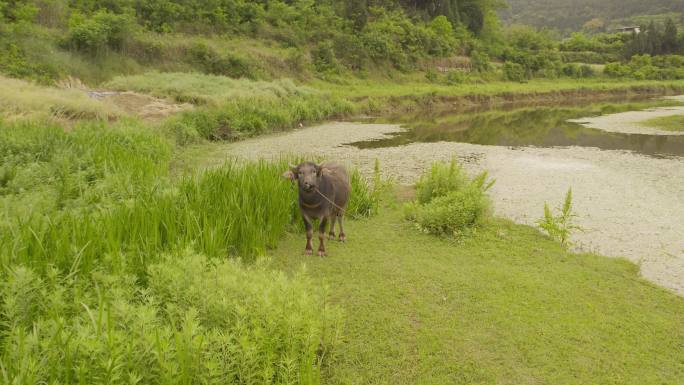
[
  {"x": 195, "y": 322},
  {"x": 559, "y": 227},
  {"x": 449, "y": 202}
]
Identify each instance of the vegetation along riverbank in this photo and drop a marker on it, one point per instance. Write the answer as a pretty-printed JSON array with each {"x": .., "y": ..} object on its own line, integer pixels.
[{"x": 140, "y": 244}]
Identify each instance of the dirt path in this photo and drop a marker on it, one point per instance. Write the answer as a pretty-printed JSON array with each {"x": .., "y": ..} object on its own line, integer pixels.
[
  {"x": 629, "y": 205},
  {"x": 631, "y": 122}
]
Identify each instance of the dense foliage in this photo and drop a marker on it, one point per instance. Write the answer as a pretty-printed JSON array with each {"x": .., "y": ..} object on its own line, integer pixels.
[
  {"x": 572, "y": 15},
  {"x": 340, "y": 35}
]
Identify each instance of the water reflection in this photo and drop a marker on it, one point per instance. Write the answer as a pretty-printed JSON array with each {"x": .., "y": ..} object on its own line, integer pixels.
[{"x": 541, "y": 126}]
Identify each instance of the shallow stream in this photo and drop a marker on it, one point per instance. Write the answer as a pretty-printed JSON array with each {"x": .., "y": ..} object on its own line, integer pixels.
[{"x": 530, "y": 125}]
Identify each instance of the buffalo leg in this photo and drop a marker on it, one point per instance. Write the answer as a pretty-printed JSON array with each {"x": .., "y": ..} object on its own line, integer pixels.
[
  {"x": 308, "y": 250},
  {"x": 342, "y": 235},
  {"x": 331, "y": 234},
  {"x": 321, "y": 236}
]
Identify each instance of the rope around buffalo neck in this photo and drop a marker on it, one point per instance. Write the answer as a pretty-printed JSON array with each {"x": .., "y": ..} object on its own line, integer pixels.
[{"x": 328, "y": 199}]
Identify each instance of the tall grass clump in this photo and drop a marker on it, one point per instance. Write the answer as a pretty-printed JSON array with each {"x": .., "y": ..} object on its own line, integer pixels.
[
  {"x": 366, "y": 194},
  {"x": 448, "y": 202},
  {"x": 235, "y": 210},
  {"x": 196, "y": 322}
]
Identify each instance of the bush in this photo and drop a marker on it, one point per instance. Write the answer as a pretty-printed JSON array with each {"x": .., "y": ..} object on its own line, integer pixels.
[
  {"x": 448, "y": 202},
  {"x": 668, "y": 67},
  {"x": 323, "y": 57},
  {"x": 431, "y": 75},
  {"x": 456, "y": 77},
  {"x": 439, "y": 181},
  {"x": 480, "y": 61},
  {"x": 617, "y": 70},
  {"x": 195, "y": 322},
  {"x": 585, "y": 71},
  {"x": 514, "y": 72},
  {"x": 212, "y": 62},
  {"x": 102, "y": 30},
  {"x": 577, "y": 71},
  {"x": 15, "y": 63},
  {"x": 454, "y": 213}
]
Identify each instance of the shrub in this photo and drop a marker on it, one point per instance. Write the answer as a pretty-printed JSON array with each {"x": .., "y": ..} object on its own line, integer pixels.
[
  {"x": 212, "y": 62},
  {"x": 514, "y": 72},
  {"x": 448, "y": 202},
  {"x": 440, "y": 180},
  {"x": 577, "y": 71},
  {"x": 323, "y": 57},
  {"x": 15, "y": 63},
  {"x": 585, "y": 71},
  {"x": 617, "y": 70},
  {"x": 102, "y": 30},
  {"x": 480, "y": 61},
  {"x": 570, "y": 70},
  {"x": 454, "y": 213},
  {"x": 431, "y": 75},
  {"x": 456, "y": 77},
  {"x": 195, "y": 322}
]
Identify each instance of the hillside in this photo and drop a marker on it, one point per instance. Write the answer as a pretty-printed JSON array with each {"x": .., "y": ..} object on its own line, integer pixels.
[{"x": 573, "y": 15}]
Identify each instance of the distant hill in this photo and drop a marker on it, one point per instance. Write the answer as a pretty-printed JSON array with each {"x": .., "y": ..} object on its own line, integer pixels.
[{"x": 573, "y": 14}]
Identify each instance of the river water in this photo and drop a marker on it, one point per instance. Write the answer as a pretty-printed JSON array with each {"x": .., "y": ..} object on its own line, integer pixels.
[{"x": 523, "y": 126}]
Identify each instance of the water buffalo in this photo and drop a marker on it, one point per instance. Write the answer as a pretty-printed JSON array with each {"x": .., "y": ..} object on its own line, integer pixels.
[{"x": 323, "y": 194}]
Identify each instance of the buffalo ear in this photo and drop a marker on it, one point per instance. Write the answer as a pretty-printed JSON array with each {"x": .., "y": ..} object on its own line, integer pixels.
[
  {"x": 294, "y": 170},
  {"x": 289, "y": 174}
]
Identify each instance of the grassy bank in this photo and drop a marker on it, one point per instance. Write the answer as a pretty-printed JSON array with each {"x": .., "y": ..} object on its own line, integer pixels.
[
  {"x": 506, "y": 306},
  {"x": 414, "y": 94},
  {"x": 667, "y": 123}
]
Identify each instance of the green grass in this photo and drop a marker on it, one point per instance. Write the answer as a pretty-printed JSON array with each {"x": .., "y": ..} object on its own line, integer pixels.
[
  {"x": 200, "y": 88},
  {"x": 667, "y": 123},
  {"x": 506, "y": 306},
  {"x": 22, "y": 100},
  {"x": 377, "y": 92}
]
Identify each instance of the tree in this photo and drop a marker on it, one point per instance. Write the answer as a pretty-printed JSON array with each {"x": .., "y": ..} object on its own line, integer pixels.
[
  {"x": 595, "y": 25},
  {"x": 669, "y": 41}
]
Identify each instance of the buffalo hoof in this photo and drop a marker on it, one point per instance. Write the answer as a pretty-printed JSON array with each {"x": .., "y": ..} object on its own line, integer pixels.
[
  {"x": 331, "y": 236},
  {"x": 308, "y": 252},
  {"x": 342, "y": 238},
  {"x": 321, "y": 253}
]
